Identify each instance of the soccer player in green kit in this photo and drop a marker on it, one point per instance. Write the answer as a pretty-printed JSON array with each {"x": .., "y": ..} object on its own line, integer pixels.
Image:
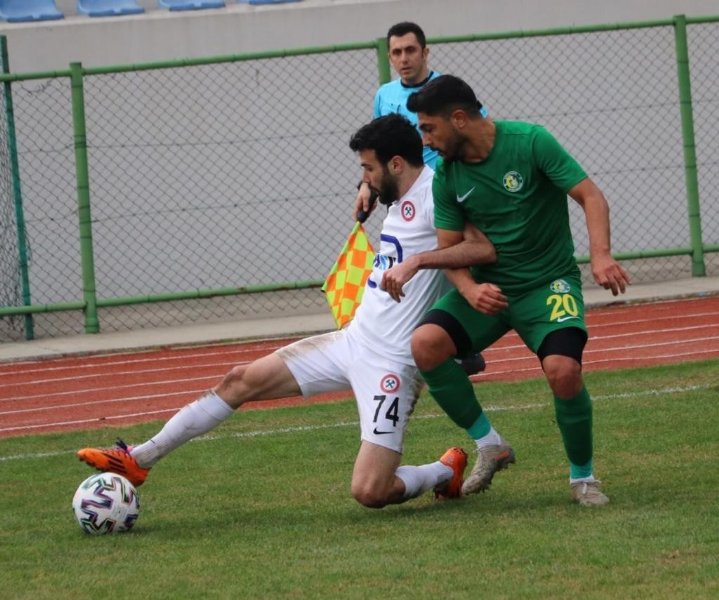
[{"x": 511, "y": 180}]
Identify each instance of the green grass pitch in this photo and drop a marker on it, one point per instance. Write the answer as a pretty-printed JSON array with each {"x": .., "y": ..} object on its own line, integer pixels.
[{"x": 261, "y": 507}]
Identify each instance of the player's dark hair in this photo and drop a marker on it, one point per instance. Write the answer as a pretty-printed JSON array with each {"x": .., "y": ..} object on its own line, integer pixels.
[
  {"x": 405, "y": 27},
  {"x": 442, "y": 95},
  {"x": 389, "y": 136}
]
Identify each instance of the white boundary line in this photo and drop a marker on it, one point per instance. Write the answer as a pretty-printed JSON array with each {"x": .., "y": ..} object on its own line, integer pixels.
[
  {"x": 489, "y": 354},
  {"x": 187, "y": 392},
  {"x": 305, "y": 428}
]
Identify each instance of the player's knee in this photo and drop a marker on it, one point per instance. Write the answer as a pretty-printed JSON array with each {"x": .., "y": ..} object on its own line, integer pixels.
[
  {"x": 229, "y": 389},
  {"x": 431, "y": 346},
  {"x": 371, "y": 491},
  {"x": 561, "y": 357},
  {"x": 370, "y": 496},
  {"x": 564, "y": 376}
]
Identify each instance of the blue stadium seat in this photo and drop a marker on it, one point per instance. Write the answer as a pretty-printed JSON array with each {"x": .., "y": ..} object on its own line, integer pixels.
[
  {"x": 15, "y": 11},
  {"x": 256, "y": 2},
  {"x": 108, "y": 8},
  {"x": 191, "y": 4}
]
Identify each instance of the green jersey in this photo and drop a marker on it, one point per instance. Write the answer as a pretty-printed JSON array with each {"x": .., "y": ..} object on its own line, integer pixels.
[{"x": 517, "y": 197}]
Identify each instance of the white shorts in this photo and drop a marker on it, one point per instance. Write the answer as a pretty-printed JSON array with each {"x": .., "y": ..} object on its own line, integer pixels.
[{"x": 386, "y": 391}]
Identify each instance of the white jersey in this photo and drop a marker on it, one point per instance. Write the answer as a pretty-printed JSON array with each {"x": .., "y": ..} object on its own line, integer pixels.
[
  {"x": 382, "y": 324},
  {"x": 372, "y": 355}
]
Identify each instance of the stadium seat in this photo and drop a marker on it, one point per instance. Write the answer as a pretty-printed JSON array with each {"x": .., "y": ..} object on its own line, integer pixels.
[
  {"x": 15, "y": 11},
  {"x": 257, "y": 2},
  {"x": 191, "y": 4},
  {"x": 108, "y": 8}
]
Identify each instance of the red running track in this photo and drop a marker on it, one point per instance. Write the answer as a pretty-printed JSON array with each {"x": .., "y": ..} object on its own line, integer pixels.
[{"x": 77, "y": 392}]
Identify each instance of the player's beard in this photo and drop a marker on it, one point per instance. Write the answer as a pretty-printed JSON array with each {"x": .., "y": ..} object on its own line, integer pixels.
[
  {"x": 388, "y": 190},
  {"x": 454, "y": 149}
]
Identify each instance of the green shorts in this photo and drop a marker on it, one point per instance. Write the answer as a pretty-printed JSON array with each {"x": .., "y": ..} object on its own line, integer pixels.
[{"x": 532, "y": 314}]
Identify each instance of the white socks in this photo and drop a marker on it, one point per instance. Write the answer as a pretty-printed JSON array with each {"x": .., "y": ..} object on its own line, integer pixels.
[
  {"x": 192, "y": 420},
  {"x": 491, "y": 439},
  {"x": 418, "y": 480},
  {"x": 589, "y": 479}
]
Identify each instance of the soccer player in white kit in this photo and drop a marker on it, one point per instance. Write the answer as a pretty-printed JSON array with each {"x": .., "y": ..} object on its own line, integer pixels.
[{"x": 371, "y": 356}]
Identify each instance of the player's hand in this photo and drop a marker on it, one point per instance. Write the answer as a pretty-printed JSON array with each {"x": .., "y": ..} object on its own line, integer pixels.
[
  {"x": 610, "y": 274},
  {"x": 363, "y": 205},
  {"x": 394, "y": 278},
  {"x": 487, "y": 298}
]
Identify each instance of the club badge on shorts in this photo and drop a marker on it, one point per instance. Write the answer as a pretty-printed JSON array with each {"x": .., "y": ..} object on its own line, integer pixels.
[
  {"x": 559, "y": 286},
  {"x": 389, "y": 383}
]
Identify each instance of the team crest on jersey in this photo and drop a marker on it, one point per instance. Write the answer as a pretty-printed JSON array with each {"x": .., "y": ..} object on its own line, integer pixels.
[
  {"x": 389, "y": 383},
  {"x": 559, "y": 286},
  {"x": 513, "y": 181},
  {"x": 408, "y": 210}
]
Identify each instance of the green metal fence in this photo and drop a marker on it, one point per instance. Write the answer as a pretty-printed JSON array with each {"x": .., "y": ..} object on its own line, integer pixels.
[{"x": 218, "y": 189}]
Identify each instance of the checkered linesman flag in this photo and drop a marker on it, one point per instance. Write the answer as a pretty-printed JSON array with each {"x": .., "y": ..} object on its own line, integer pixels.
[{"x": 345, "y": 283}]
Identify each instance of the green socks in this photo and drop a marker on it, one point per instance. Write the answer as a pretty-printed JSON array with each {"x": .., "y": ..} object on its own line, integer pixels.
[
  {"x": 450, "y": 387},
  {"x": 453, "y": 391},
  {"x": 480, "y": 428},
  {"x": 574, "y": 418}
]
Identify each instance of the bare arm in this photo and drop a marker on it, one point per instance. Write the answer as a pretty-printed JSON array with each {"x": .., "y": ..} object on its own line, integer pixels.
[
  {"x": 456, "y": 251},
  {"x": 484, "y": 297},
  {"x": 607, "y": 272}
]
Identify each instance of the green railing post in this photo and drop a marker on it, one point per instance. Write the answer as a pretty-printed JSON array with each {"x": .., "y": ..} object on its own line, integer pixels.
[
  {"x": 17, "y": 194},
  {"x": 690, "y": 159},
  {"x": 383, "y": 68},
  {"x": 92, "y": 324}
]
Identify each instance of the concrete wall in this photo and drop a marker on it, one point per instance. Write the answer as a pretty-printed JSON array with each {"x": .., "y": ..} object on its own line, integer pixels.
[{"x": 162, "y": 35}]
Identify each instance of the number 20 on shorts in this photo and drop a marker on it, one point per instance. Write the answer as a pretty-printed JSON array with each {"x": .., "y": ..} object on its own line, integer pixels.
[{"x": 564, "y": 306}]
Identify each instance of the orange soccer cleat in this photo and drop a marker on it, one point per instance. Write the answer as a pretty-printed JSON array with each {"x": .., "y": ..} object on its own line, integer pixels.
[
  {"x": 115, "y": 460},
  {"x": 455, "y": 459}
]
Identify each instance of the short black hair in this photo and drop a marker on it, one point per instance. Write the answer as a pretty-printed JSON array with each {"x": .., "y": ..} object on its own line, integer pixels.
[
  {"x": 442, "y": 95},
  {"x": 389, "y": 136},
  {"x": 405, "y": 27}
]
